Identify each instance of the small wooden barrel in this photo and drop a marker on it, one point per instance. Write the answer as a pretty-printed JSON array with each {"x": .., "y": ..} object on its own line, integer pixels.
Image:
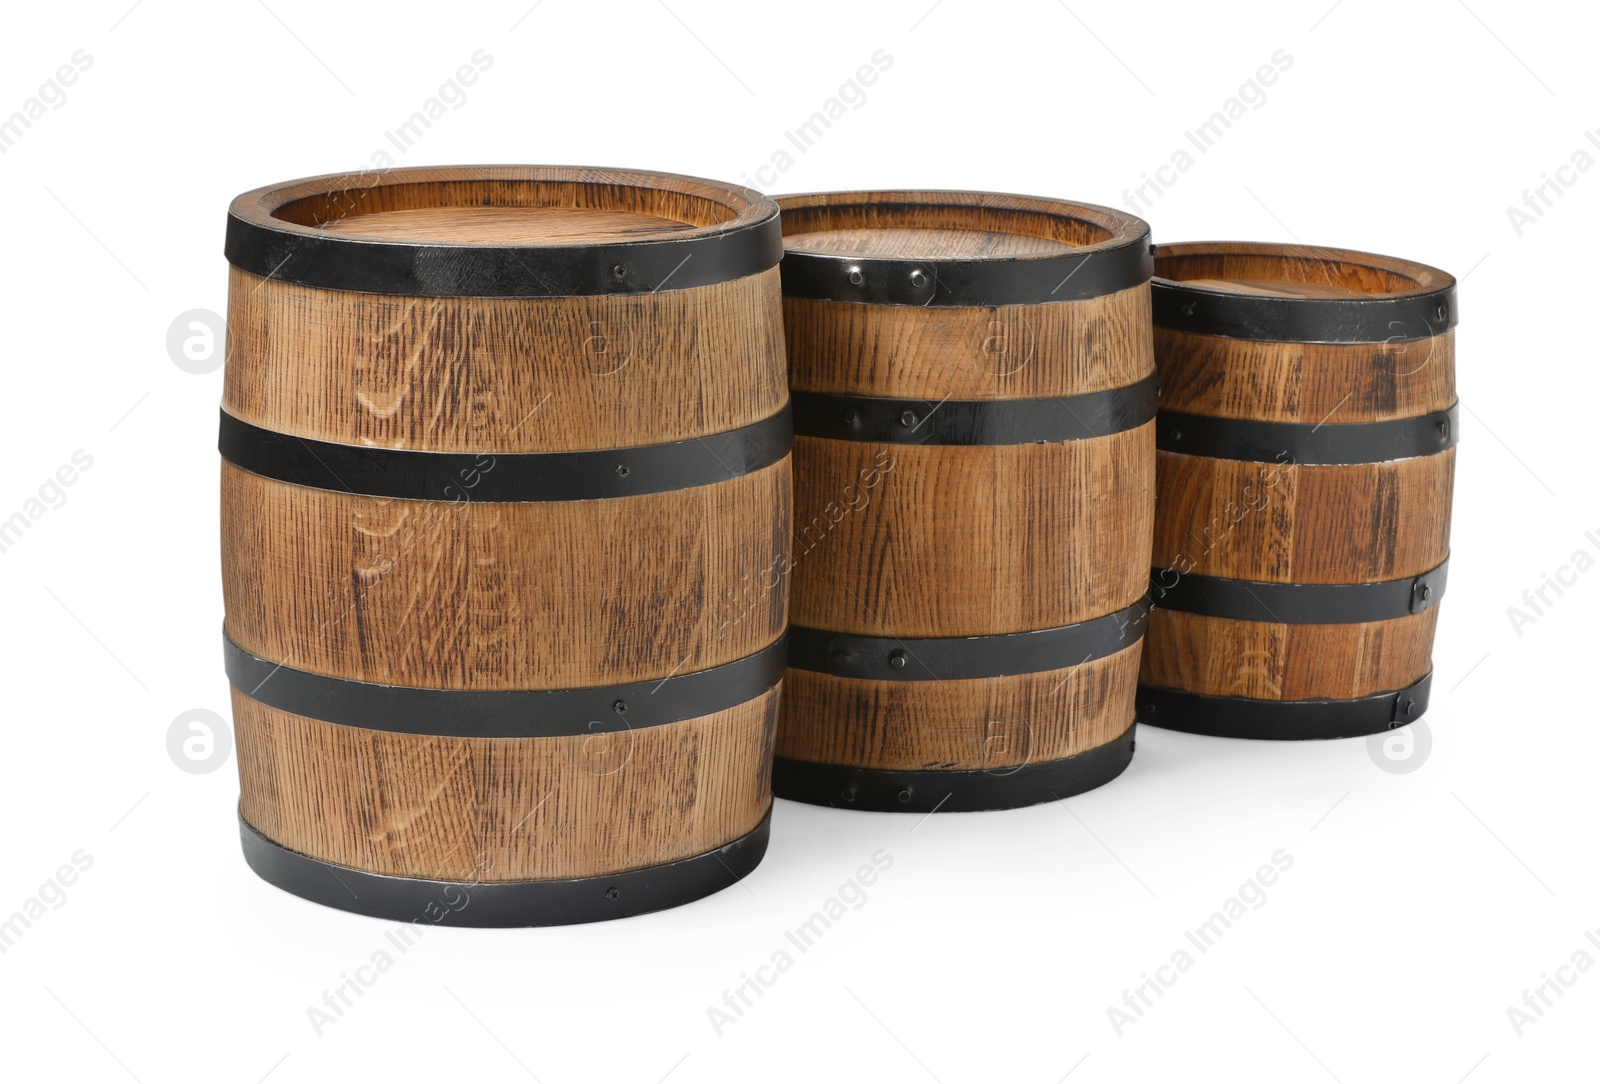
[
  {"x": 506, "y": 467},
  {"x": 1306, "y": 460},
  {"x": 974, "y": 399}
]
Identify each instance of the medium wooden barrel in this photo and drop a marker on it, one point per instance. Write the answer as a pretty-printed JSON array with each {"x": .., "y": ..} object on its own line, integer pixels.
[
  {"x": 505, "y": 482},
  {"x": 1304, "y": 473},
  {"x": 974, "y": 399}
]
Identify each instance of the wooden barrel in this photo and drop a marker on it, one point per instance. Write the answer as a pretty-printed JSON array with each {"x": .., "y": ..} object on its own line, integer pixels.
[
  {"x": 1304, "y": 473},
  {"x": 506, "y": 476},
  {"x": 974, "y": 458}
]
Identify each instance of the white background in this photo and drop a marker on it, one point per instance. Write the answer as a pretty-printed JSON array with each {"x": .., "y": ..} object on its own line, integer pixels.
[{"x": 1419, "y": 906}]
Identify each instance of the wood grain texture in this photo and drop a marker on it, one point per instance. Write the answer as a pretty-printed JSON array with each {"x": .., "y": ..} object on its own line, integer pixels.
[
  {"x": 475, "y": 595},
  {"x": 504, "y": 809},
  {"x": 925, "y": 243},
  {"x": 1306, "y": 270},
  {"x": 941, "y": 218},
  {"x": 948, "y": 541},
  {"x": 505, "y": 225},
  {"x": 500, "y": 596},
  {"x": 1323, "y": 524},
  {"x": 504, "y": 374},
  {"x": 970, "y": 541},
  {"x": 1005, "y": 352},
  {"x": 1303, "y": 524},
  {"x": 1314, "y": 383},
  {"x": 990, "y": 723},
  {"x": 335, "y": 201},
  {"x": 1221, "y": 657}
]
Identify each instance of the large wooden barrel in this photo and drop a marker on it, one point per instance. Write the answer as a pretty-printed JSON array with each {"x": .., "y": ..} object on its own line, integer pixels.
[
  {"x": 1306, "y": 460},
  {"x": 974, "y": 455},
  {"x": 505, "y": 482}
]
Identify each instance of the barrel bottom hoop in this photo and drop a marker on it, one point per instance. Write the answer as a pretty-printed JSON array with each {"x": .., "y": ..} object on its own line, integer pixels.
[
  {"x": 889, "y": 790},
  {"x": 1281, "y": 720},
  {"x": 499, "y": 904}
]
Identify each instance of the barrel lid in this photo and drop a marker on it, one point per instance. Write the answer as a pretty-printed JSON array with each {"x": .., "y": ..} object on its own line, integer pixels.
[
  {"x": 949, "y": 248},
  {"x": 503, "y": 231},
  {"x": 1298, "y": 293}
]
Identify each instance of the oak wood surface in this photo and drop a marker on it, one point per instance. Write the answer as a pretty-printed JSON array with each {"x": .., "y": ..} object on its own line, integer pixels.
[
  {"x": 1303, "y": 524},
  {"x": 970, "y": 541},
  {"x": 1221, "y": 657},
  {"x": 504, "y": 374},
  {"x": 505, "y": 225},
  {"x": 1313, "y": 383},
  {"x": 1290, "y": 523},
  {"x": 504, "y": 809},
  {"x": 988, "y": 723},
  {"x": 943, "y": 541},
  {"x": 316, "y": 203},
  {"x": 490, "y": 596},
  {"x": 938, "y": 352},
  {"x": 474, "y": 595},
  {"x": 1241, "y": 266}
]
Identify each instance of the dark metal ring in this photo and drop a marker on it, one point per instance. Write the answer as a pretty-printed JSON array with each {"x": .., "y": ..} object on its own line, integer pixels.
[
  {"x": 500, "y": 713},
  {"x": 505, "y": 903},
  {"x": 506, "y": 476}
]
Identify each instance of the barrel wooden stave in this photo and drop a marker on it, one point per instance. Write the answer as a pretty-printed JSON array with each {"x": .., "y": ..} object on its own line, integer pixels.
[
  {"x": 969, "y": 352},
  {"x": 461, "y": 595},
  {"x": 945, "y": 543},
  {"x": 487, "y": 596},
  {"x": 504, "y": 809},
  {"x": 475, "y": 374},
  {"x": 983, "y": 724},
  {"x": 1264, "y": 660},
  {"x": 948, "y": 540},
  {"x": 1362, "y": 523},
  {"x": 1290, "y": 523}
]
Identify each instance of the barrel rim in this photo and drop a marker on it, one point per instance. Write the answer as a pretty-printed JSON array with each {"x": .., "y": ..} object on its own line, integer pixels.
[
  {"x": 1122, "y": 260},
  {"x": 744, "y": 244},
  {"x": 1422, "y": 311}
]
